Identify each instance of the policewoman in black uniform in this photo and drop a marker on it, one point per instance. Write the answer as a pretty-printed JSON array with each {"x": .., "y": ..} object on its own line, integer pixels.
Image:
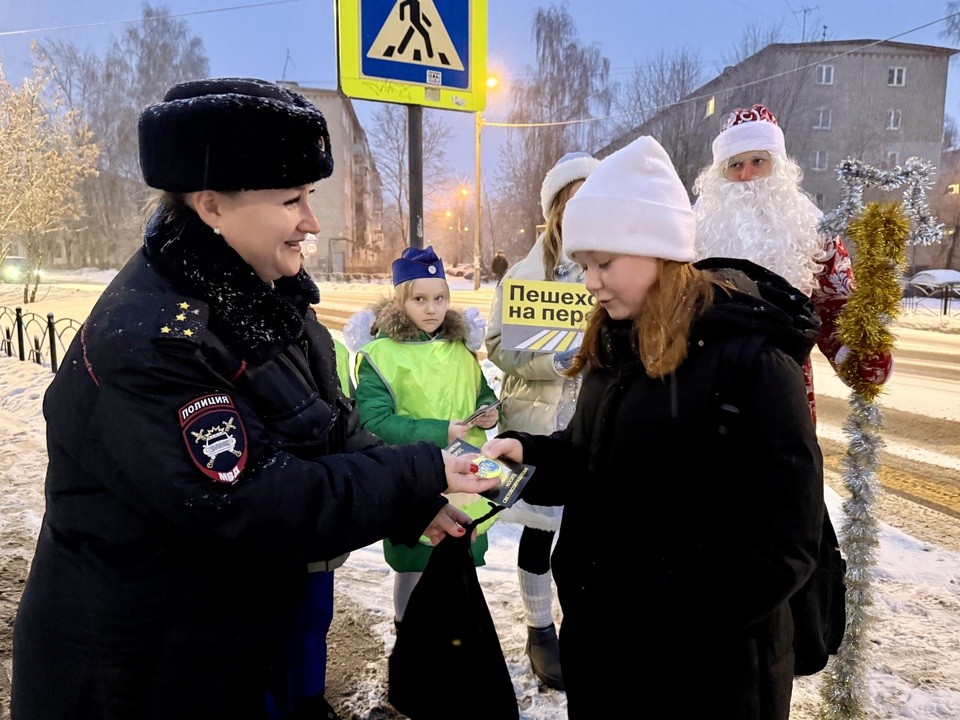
[{"x": 201, "y": 452}]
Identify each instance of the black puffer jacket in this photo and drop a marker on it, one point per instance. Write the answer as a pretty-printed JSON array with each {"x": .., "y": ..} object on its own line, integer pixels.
[
  {"x": 195, "y": 430},
  {"x": 715, "y": 530}
]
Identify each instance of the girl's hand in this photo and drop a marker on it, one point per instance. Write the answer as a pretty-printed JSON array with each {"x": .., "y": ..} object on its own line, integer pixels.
[
  {"x": 456, "y": 431},
  {"x": 488, "y": 419},
  {"x": 509, "y": 448}
]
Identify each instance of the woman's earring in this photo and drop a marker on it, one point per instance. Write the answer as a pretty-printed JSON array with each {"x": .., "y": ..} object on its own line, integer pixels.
[{"x": 216, "y": 231}]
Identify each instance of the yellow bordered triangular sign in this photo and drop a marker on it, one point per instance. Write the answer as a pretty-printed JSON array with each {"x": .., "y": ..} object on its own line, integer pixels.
[
  {"x": 416, "y": 52},
  {"x": 414, "y": 33}
]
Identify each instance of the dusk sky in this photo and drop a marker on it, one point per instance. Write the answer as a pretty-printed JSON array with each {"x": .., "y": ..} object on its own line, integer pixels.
[{"x": 295, "y": 39}]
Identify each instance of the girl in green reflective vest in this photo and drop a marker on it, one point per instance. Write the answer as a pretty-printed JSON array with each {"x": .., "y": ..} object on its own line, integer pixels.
[{"x": 416, "y": 381}]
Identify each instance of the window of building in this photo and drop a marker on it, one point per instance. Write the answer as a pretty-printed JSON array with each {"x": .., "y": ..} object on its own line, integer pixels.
[
  {"x": 711, "y": 107},
  {"x": 818, "y": 199},
  {"x": 821, "y": 119},
  {"x": 824, "y": 74},
  {"x": 893, "y": 159},
  {"x": 893, "y": 119},
  {"x": 897, "y": 76},
  {"x": 818, "y": 161}
]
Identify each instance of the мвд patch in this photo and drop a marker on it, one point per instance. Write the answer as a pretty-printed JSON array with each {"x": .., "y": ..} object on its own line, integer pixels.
[{"x": 215, "y": 436}]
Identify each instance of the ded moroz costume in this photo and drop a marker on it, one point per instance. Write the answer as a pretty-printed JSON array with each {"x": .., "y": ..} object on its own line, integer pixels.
[{"x": 769, "y": 220}]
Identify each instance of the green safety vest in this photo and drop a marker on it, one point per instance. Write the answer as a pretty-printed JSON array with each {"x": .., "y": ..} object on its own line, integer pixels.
[
  {"x": 343, "y": 367},
  {"x": 433, "y": 379}
]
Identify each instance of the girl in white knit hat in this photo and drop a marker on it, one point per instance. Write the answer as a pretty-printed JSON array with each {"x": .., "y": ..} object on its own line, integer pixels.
[{"x": 687, "y": 522}]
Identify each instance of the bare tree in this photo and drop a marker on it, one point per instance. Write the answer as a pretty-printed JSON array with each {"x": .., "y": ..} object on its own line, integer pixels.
[
  {"x": 43, "y": 155},
  {"x": 389, "y": 145},
  {"x": 951, "y": 133},
  {"x": 563, "y": 106},
  {"x": 109, "y": 92},
  {"x": 952, "y": 29},
  {"x": 944, "y": 199},
  {"x": 753, "y": 39},
  {"x": 784, "y": 93},
  {"x": 653, "y": 99}
]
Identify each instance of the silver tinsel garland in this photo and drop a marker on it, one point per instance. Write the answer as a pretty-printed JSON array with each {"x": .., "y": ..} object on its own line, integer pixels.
[
  {"x": 844, "y": 688},
  {"x": 915, "y": 177}
]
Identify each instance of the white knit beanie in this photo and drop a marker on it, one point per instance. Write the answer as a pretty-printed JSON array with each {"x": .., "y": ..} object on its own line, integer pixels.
[
  {"x": 571, "y": 167},
  {"x": 747, "y": 129},
  {"x": 634, "y": 204}
]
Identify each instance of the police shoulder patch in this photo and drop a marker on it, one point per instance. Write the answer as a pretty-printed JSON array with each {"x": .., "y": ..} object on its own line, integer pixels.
[{"x": 215, "y": 436}]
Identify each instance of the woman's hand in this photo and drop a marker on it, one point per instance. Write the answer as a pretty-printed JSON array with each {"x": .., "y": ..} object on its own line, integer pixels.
[
  {"x": 509, "y": 448},
  {"x": 451, "y": 520},
  {"x": 460, "y": 478}
]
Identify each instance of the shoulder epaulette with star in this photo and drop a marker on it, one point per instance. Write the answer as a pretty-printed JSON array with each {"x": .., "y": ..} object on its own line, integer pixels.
[{"x": 182, "y": 318}]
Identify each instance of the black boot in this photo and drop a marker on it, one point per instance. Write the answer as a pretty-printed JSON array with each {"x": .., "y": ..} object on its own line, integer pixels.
[
  {"x": 543, "y": 647},
  {"x": 314, "y": 708}
]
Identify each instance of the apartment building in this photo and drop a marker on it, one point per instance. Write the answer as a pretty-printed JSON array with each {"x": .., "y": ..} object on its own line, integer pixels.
[
  {"x": 876, "y": 101},
  {"x": 349, "y": 203}
]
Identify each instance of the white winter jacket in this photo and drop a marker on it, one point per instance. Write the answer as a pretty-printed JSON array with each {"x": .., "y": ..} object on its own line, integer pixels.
[{"x": 536, "y": 398}]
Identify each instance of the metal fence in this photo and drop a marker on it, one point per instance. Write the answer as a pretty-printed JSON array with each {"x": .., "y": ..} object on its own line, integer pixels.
[
  {"x": 34, "y": 338},
  {"x": 44, "y": 340},
  {"x": 943, "y": 299}
]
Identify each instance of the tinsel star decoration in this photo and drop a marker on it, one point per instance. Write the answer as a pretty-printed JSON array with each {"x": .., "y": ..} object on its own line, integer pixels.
[
  {"x": 915, "y": 177},
  {"x": 878, "y": 234}
]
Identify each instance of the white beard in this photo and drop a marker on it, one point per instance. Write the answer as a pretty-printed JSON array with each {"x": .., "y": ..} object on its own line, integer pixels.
[{"x": 769, "y": 221}]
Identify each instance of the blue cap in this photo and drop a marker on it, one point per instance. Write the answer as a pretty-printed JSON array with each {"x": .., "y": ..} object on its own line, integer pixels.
[{"x": 415, "y": 263}]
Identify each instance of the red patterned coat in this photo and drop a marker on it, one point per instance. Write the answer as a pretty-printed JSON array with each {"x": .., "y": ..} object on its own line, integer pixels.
[{"x": 834, "y": 287}]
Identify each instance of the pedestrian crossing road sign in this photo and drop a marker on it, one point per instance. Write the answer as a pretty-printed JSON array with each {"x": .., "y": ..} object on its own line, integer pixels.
[
  {"x": 415, "y": 52},
  {"x": 543, "y": 316}
]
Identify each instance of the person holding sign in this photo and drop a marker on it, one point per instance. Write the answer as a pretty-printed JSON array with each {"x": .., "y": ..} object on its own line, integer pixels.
[
  {"x": 538, "y": 398},
  {"x": 418, "y": 380},
  {"x": 712, "y": 509}
]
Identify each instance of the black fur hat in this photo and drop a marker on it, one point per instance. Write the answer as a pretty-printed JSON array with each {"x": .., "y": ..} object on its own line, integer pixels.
[{"x": 233, "y": 134}]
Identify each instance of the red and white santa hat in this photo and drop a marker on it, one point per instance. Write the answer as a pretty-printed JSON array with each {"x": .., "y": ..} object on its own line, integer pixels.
[{"x": 748, "y": 129}]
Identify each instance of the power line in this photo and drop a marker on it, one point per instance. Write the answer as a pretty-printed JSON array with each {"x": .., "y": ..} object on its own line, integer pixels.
[
  {"x": 9, "y": 33},
  {"x": 695, "y": 98},
  {"x": 268, "y": 3}
]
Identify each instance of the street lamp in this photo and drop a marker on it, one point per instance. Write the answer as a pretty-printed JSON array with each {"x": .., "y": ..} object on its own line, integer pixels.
[{"x": 492, "y": 82}]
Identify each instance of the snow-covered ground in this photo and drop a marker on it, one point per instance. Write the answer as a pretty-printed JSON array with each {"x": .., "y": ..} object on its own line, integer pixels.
[{"x": 913, "y": 673}]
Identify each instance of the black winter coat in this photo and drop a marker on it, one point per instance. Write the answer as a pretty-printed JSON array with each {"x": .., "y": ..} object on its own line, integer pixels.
[
  {"x": 194, "y": 431},
  {"x": 715, "y": 530}
]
